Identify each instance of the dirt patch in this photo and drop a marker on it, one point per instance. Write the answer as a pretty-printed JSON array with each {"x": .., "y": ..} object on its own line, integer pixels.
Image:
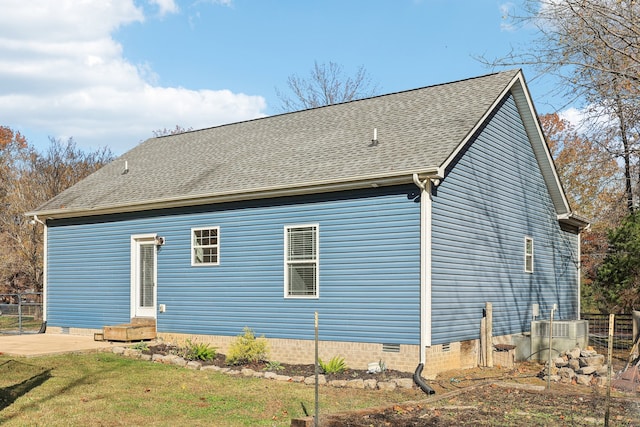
[
  {"x": 505, "y": 405},
  {"x": 495, "y": 396},
  {"x": 478, "y": 397}
]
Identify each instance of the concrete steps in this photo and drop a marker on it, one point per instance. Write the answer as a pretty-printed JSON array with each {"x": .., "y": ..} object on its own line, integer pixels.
[{"x": 140, "y": 328}]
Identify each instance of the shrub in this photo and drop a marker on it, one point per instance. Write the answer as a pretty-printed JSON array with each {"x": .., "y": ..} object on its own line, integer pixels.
[
  {"x": 199, "y": 351},
  {"x": 246, "y": 348},
  {"x": 142, "y": 346},
  {"x": 336, "y": 365},
  {"x": 273, "y": 365}
]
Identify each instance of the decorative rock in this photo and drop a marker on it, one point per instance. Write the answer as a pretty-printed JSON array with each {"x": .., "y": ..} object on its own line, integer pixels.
[
  {"x": 297, "y": 379},
  {"x": 387, "y": 385},
  {"x": 560, "y": 362},
  {"x": 355, "y": 384},
  {"x": 232, "y": 372},
  {"x": 247, "y": 372},
  {"x": 210, "y": 368},
  {"x": 312, "y": 380},
  {"x": 404, "y": 382},
  {"x": 574, "y": 353},
  {"x": 118, "y": 350},
  {"x": 588, "y": 353},
  {"x": 285, "y": 378},
  {"x": 594, "y": 360},
  {"x": 193, "y": 365},
  {"x": 370, "y": 384},
  {"x": 574, "y": 364},
  {"x": 587, "y": 370},
  {"x": 146, "y": 357},
  {"x": 270, "y": 375},
  {"x": 130, "y": 352},
  {"x": 583, "y": 379},
  {"x": 566, "y": 373},
  {"x": 338, "y": 383},
  {"x": 178, "y": 361},
  {"x": 258, "y": 375}
]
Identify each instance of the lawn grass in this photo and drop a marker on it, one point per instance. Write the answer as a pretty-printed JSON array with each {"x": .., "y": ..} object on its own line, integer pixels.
[
  {"x": 11, "y": 323},
  {"x": 105, "y": 389}
]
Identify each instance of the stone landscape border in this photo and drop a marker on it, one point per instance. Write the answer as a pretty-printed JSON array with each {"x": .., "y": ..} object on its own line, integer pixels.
[{"x": 358, "y": 383}]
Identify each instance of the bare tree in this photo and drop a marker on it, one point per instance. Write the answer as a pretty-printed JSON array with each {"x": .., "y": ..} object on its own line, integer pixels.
[
  {"x": 593, "y": 47},
  {"x": 166, "y": 132},
  {"x": 326, "y": 84},
  {"x": 35, "y": 178}
]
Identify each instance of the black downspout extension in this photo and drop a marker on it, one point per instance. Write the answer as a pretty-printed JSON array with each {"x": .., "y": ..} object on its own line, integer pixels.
[
  {"x": 43, "y": 327},
  {"x": 420, "y": 382}
]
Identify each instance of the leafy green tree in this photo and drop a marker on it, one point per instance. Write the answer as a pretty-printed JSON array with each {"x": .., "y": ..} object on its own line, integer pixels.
[{"x": 617, "y": 285}]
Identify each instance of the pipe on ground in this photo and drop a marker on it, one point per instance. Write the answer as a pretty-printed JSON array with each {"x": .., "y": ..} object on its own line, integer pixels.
[{"x": 420, "y": 382}]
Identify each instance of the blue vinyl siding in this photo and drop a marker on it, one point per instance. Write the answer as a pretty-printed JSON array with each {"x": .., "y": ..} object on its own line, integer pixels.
[
  {"x": 491, "y": 199},
  {"x": 369, "y": 269}
]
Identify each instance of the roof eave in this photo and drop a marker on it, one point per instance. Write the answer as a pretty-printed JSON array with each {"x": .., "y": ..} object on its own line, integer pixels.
[
  {"x": 574, "y": 220},
  {"x": 371, "y": 181}
]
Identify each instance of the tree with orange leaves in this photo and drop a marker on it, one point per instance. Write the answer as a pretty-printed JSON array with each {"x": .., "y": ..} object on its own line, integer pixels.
[
  {"x": 591, "y": 179},
  {"x": 27, "y": 179}
]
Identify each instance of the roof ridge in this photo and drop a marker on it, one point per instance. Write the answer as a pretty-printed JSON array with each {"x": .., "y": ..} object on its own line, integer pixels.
[{"x": 513, "y": 71}]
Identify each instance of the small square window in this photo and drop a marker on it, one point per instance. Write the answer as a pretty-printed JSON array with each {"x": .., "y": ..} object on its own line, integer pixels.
[
  {"x": 205, "y": 246},
  {"x": 528, "y": 254}
]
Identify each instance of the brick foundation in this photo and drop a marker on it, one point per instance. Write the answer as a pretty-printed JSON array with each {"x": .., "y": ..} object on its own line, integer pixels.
[{"x": 405, "y": 358}]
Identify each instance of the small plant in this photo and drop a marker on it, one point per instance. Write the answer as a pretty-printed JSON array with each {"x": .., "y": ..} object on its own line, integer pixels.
[
  {"x": 273, "y": 365},
  {"x": 142, "y": 346},
  {"x": 199, "y": 351},
  {"x": 246, "y": 348},
  {"x": 336, "y": 365},
  {"x": 383, "y": 366}
]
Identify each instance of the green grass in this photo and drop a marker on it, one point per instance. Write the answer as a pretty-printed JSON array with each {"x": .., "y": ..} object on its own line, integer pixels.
[
  {"x": 110, "y": 390},
  {"x": 10, "y": 323}
]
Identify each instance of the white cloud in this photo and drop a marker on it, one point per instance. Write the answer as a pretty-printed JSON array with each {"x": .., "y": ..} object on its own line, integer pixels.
[
  {"x": 62, "y": 74},
  {"x": 166, "y": 6},
  {"x": 506, "y": 10}
]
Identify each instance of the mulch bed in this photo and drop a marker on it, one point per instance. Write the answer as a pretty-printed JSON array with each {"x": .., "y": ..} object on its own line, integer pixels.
[{"x": 284, "y": 368}]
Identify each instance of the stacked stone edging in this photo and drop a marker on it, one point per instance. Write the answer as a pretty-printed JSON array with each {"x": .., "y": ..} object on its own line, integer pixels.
[
  {"x": 578, "y": 366},
  {"x": 359, "y": 383}
]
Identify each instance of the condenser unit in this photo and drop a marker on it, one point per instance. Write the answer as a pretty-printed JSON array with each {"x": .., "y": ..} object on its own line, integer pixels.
[{"x": 566, "y": 335}]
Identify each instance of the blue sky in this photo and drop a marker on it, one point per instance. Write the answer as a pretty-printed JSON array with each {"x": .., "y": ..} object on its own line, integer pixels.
[{"x": 110, "y": 73}]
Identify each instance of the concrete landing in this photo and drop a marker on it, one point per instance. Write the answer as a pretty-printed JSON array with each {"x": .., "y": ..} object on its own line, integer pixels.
[{"x": 33, "y": 345}]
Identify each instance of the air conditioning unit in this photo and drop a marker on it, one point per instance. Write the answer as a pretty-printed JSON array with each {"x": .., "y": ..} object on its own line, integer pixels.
[{"x": 566, "y": 335}]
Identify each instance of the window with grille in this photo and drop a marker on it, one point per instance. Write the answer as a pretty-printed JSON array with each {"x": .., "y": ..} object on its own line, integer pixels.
[
  {"x": 528, "y": 254},
  {"x": 301, "y": 261},
  {"x": 205, "y": 246}
]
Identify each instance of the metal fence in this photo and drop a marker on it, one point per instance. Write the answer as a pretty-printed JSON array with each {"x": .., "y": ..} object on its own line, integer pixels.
[
  {"x": 21, "y": 313},
  {"x": 599, "y": 330}
]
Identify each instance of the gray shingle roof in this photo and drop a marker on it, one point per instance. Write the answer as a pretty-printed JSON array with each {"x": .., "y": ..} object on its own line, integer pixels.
[{"x": 418, "y": 130}]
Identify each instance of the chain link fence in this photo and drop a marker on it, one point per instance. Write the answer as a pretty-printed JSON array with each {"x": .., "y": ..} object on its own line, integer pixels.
[{"x": 21, "y": 313}]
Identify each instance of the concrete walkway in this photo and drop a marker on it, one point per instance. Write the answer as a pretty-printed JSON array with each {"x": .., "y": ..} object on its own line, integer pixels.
[{"x": 33, "y": 345}]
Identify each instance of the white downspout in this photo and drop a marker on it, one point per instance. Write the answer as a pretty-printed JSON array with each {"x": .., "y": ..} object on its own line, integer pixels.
[
  {"x": 425, "y": 264},
  {"x": 579, "y": 272},
  {"x": 44, "y": 266}
]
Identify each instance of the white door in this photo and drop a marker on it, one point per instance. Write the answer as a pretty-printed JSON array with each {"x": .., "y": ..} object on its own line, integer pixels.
[{"x": 143, "y": 276}]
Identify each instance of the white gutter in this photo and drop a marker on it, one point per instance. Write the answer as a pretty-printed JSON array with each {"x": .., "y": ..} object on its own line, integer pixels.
[
  {"x": 370, "y": 181},
  {"x": 425, "y": 264}
]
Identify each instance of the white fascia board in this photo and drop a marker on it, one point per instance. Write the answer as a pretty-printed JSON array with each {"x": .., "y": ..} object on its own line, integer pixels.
[{"x": 371, "y": 181}]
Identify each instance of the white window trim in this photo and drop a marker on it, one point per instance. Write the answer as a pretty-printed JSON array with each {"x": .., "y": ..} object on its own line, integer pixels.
[
  {"x": 192, "y": 247},
  {"x": 527, "y": 255},
  {"x": 286, "y": 261}
]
